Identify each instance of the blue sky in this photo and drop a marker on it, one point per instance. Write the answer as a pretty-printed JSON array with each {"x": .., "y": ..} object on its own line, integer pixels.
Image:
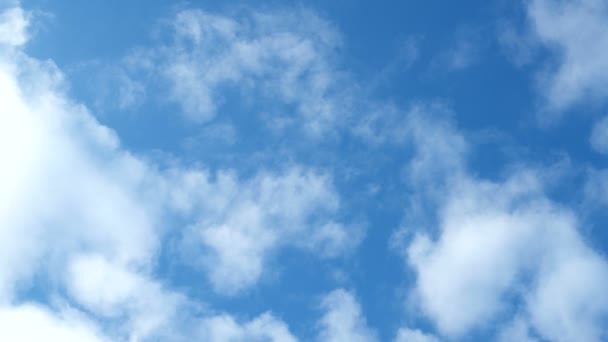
[{"x": 287, "y": 171}]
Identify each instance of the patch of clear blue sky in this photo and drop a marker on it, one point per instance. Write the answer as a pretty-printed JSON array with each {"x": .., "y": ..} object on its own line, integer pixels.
[{"x": 493, "y": 100}]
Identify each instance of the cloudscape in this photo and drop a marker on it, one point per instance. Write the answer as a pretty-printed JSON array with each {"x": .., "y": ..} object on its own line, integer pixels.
[{"x": 344, "y": 171}]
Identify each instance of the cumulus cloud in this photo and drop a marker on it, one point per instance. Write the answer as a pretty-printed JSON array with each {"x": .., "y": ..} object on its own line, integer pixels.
[
  {"x": 343, "y": 319},
  {"x": 501, "y": 248},
  {"x": 114, "y": 292},
  {"x": 578, "y": 32},
  {"x": 57, "y": 157},
  {"x": 86, "y": 220},
  {"x": 68, "y": 188}
]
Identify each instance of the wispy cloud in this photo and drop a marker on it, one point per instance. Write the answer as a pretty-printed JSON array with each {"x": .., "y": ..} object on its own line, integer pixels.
[
  {"x": 278, "y": 58},
  {"x": 250, "y": 221},
  {"x": 599, "y": 136}
]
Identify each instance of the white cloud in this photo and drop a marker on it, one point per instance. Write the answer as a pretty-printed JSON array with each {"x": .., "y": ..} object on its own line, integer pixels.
[
  {"x": 599, "y": 136},
  {"x": 343, "y": 319},
  {"x": 86, "y": 219},
  {"x": 279, "y": 67},
  {"x": 413, "y": 335},
  {"x": 578, "y": 32},
  {"x": 224, "y": 328},
  {"x": 74, "y": 200},
  {"x": 30, "y": 323},
  {"x": 13, "y": 26},
  {"x": 55, "y": 157},
  {"x": 113, "y": 292},
  {"x": 280, "y": 57},
  {"x": 269, "y": 212},
  {"x": 500, "y": 247},
  {"x": 570, "y": 302}
]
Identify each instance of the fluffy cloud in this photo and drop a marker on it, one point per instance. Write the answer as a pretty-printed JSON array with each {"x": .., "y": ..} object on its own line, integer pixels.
[
  {"x": 343, "y": 320},
  {"x": 84, "y": 220},
  {"x": 115, "y": 293},
  {"x": 30, "y": 323},
  {"x": 224, "y": 328},
  {"x": 501, "y": 248},
  {"x": 578, "y": 32},
  {"x": 69, "y": 190}
]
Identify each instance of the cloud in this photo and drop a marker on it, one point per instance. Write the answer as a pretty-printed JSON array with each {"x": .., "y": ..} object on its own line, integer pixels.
[
  {"x": 256, "y": 218},
  {"x": 116, "y": 293},
  {"x": 279, "y": 67},
  {"x": 599, "y": 136},
  {"x": 13, "y": 26},
  {"x": 596, "y": 188},
  {"x": 224, "y": 328},
  {"x": 83, "y": 220},
  {"x": 282, "y": 58},
  {"x": 462, "y": 52},
  {"x": 577, "y": 31},
  {"x": 517, "y": 330},
  {"x": 30, "y": 323},
  {"x": 55, "y": 157},
  {"x": 499, "y": 248},
  {"x": 74, "y": 200},
  {"x": 343, "y": 319},
  {"x": 412, "y": 335}
]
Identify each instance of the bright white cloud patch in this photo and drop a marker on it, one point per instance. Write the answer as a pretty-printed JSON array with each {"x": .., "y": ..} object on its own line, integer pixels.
[
  {"x": 85, "y": 224},
  {"x": 67, "y": 186},
  {"x": 344, "y": 320},
  {"x": 69, "y": 189},
  {"x": 578, "y": 32},
  {"x": 501, "y": 248},
  {"x": 29, "y": 323},
  {"x": 113, "y": 292},
  {"x": 85, "y": 217}
]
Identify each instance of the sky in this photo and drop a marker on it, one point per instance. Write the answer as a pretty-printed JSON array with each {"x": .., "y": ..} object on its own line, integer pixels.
[{"x": 344, "y": 171}]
